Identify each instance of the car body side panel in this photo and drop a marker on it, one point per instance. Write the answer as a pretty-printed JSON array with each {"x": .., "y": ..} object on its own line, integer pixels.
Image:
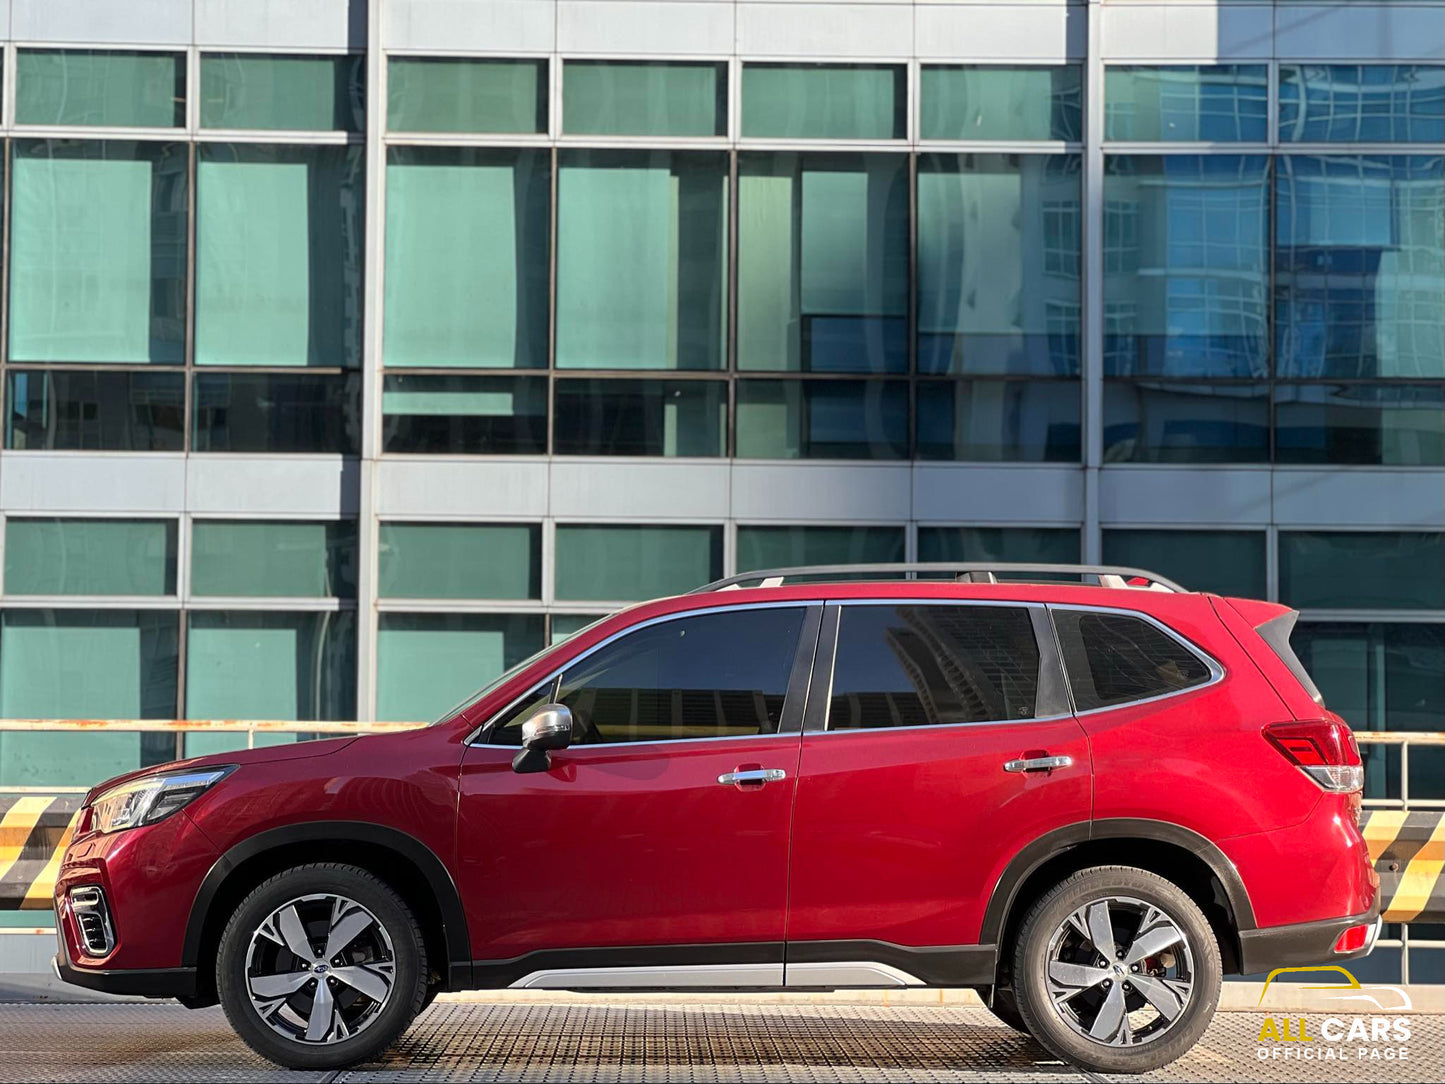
[{"x": 901, "y": 835}]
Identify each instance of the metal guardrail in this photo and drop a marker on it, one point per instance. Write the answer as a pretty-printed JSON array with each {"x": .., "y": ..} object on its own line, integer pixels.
[{"x": 1405, "y": 740}]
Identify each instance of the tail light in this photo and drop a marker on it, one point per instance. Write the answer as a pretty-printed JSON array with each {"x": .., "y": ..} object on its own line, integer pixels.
[
  {"x": 1353, "y": 939},
  {"x": 1324, "y": 750}
]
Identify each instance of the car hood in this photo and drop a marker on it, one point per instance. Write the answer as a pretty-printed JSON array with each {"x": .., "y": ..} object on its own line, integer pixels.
[{"x": 267, "y": 754}]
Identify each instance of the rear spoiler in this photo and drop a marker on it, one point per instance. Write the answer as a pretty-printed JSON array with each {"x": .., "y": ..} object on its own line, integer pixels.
[{"x": 1274, "y": 623}]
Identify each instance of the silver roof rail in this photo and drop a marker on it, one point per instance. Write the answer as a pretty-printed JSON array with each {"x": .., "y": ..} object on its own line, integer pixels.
[{"x": 961, "y": 571}]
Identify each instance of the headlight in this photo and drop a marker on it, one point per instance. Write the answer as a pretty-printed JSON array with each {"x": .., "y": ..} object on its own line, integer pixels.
[{"x": 151, "y": 798}]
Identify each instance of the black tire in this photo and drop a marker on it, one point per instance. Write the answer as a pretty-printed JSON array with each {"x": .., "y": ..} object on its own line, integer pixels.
[
  {"x": 1004, "y": 1008},
  {"x": 398, "y": 1007},
  {"x": 1048, "y": 1024}
]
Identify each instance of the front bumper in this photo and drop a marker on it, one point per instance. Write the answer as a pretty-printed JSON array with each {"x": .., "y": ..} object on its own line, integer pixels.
[
  {"x": 141, "y": 982},
  {"x": 1304, "y": 944}
]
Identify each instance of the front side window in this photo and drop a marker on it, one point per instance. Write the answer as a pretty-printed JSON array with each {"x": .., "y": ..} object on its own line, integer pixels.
[
  {"x": 933, "y": 665},
  {"x": 1115, "y": 658},
  {"x": 714, "y": 675}
]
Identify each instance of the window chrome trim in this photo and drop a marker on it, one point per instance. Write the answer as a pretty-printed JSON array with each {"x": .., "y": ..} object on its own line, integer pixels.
[
  {"x": 479, "y": 732},
  {"x": 1217, "y": 671}
]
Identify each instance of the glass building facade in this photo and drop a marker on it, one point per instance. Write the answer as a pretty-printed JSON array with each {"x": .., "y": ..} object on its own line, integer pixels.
[{"x": 352, "y": 354}]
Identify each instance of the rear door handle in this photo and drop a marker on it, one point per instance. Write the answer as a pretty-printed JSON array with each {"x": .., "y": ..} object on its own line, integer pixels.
[
  {"x": 755, "y": 776},
  {"x": 1037, "y": 764}
]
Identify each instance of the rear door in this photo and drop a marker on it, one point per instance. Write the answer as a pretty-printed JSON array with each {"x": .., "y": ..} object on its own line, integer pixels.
[{"x": 910, "y": 802}]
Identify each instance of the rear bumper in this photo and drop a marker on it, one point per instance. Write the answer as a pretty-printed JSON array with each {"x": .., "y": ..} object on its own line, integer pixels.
[
  {"x": 1303, "y": 944},
  {"x": 142, "y": 982}
]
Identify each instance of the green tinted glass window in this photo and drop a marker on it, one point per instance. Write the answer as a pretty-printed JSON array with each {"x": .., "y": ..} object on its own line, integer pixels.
[
  {"x": 428, "y": 662},
  {"x": 1222, "y": 562},
  {"x": 1221, "y": 103},
  {"x": 467, "y": 257},
  {"x": 999, "y": 239},
  {"x": 247, "y": 665},
  {"x": 644, "y": 98},
  {"x": 279, "y": 559},
  {"x": 98, "y": 251},
  {"x": 460, "y": 560},
  {"x": 824, "y": 101},
  {"x": 991, "y": 102},
  {"x": 104, "y": 87},
  {"x": 823, "y": 262},
  {"x": 73, "y": 759},
  {"x": 1402, "y": 570},
  {"x": 278, "y": 255},
  {"x": 257, "y": 91},
  {"x": 1029, "y": 545},
  {"x": 662, "y": 217},
  {"x": 88, "y": 664},
  {"x": 439, "y": 94},
  {"x": 565, "y": 625},
  {"x": 785, "y": 547},
  {"x": 90, "y": 556},
  {"x": 624, "y": 563},
  {"x": 464, "y": 415}
]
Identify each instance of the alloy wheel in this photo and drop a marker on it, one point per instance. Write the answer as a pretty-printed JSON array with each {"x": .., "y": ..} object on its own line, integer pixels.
[
  {"x": 1120, "y": 971},
  {"x": 320, "y": 969}
]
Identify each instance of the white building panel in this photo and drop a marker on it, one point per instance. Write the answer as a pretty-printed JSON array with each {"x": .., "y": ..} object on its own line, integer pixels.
[
  {"x": 1353, "y": 498},
  {"x": 282, "y": 24},
  {"x": 468, "y": 489},
  {"x": 607, "y": 489},
  {"x": 824, "y": 30},
  {"x": 1037, "y": 31},
  {"x": 822, "y": 492},
  {"x": 1141, "y": 496},
  {"x": 645, "y": 27},
  {"x": 973, "y": 493},
  {"x": 497, "y": 26},
  {"x": 1187, "y": 31},
  {"x": 76, "y": 482},
  {"x": 104, "y": 22}
]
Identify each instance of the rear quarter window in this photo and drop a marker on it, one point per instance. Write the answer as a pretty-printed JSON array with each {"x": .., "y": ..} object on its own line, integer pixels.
[{"x": 1113, "y": 659}]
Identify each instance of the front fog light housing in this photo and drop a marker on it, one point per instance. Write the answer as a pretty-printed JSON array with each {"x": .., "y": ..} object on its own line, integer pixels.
[{"x": 151, "y": 798}]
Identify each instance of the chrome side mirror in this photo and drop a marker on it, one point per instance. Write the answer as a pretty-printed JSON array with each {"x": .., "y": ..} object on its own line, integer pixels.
[{"x": 549, "y": 727}]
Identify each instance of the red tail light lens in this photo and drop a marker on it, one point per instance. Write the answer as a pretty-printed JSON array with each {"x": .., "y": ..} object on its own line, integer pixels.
[
  {"x": 1324, "y": 750},
  {"x": 1353, "y": 939}
]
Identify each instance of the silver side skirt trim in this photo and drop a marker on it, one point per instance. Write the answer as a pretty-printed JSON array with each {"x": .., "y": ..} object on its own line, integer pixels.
[
  {"x": 849, "y": 975},
  {"x": 623, "y": 978}
]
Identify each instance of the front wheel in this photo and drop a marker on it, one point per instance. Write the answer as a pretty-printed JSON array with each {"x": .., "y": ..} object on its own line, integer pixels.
[
  {"x": 321, "y": 967},
  {"x": 1116, "y": 970}
]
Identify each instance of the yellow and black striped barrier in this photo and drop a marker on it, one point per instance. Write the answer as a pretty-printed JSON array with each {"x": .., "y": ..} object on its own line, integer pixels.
[
  {"x": 1408, "y": 850},
  {"x": 35, "y": 829}
]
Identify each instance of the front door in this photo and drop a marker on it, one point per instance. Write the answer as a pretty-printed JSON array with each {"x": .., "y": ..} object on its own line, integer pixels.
[
  {"x": 654, "y": 852},
  {"x": 928, "y": 778}
]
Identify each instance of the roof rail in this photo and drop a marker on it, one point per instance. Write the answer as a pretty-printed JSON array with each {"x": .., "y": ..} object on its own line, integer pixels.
[{"x": 961, "y": 571}]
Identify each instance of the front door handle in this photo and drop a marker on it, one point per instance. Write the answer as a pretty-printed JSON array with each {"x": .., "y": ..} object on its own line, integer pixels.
[
  {"x": 752, "y": 776},
  {"x": 1038, "y": 764}
]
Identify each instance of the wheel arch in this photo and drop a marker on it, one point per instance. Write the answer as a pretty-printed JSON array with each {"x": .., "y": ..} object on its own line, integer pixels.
[
  {"x": 1172, "y": 851},
  {"x": 406, "y": 863}
]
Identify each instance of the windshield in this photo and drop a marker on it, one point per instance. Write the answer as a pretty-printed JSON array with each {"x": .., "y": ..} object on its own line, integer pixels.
[{"x": 496, "y": 683}]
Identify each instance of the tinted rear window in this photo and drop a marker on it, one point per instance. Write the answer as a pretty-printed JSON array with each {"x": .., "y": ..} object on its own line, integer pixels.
[
  {"x": 1114, "y": 658},
  {"x": 937, "y": 664}
]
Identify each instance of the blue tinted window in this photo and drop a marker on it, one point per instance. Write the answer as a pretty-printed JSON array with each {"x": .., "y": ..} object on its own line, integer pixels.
[
  {"x": 1156, "y": 422},
  {"x": 998, "y": 263},
  {"x": 1374, "y": 424},
  {"x": 1360, "y": 266},
  {"x": 822, "y": 419},
  {"x": 994, "y": 420},
  {"x": 1186, "y": 248},
  {"x": 1362, "y": 103},
  {"x": 1222, "y": 103}
]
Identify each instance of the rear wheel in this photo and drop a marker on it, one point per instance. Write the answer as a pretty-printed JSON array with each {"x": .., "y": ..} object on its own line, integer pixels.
[
  {"x": 1116, "y": 970},
  {"x": 321, "y": 966}
]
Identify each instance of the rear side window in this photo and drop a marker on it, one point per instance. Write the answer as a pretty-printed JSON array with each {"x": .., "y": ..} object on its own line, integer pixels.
[
  {"x": 1114, "y": 658},
  {"x": 713, "y": 675},
  {"x": 933, "y": 665}
]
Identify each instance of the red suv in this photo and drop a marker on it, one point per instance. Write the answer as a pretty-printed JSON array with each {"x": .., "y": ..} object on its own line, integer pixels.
[{"x": 1088, "y": 800}]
